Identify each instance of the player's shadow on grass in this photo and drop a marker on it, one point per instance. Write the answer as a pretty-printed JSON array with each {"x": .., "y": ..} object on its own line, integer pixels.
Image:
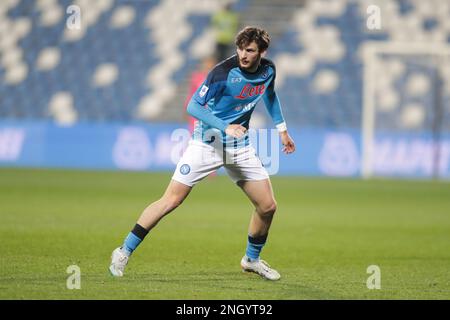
[{"x": 241, "y": 282}]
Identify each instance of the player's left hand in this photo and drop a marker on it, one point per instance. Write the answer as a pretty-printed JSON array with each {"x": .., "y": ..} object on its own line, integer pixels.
[{"x": 288, "y": 143}]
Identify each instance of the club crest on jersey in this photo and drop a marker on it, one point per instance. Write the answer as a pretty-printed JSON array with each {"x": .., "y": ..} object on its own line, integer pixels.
[
  {"x": 203, "y": 91},
  {"x": 249, "y": 91},
  {"x": 265, "y": 73}
]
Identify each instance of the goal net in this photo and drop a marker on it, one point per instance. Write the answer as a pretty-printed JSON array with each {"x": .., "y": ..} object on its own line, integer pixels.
[{"x": 406, "y": 110}]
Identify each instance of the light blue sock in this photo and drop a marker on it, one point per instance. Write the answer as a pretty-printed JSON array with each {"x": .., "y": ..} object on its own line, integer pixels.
[
  {"x": 134, "y": 238},
  {"x": 131, "y": 242},
  {"x": 254, "y": 246}
]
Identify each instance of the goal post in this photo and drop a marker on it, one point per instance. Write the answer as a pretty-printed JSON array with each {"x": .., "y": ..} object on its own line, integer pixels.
[{"x": 405, "y": 103}]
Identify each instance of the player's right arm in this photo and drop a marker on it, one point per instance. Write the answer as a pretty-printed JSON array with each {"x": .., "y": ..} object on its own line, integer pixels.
[
  {"x": 198, "y": 108},
  {"x": 235, "y": 130}
]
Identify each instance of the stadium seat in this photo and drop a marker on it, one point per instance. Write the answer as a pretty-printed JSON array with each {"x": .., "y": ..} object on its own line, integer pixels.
[{"x": 130, "y": 58}]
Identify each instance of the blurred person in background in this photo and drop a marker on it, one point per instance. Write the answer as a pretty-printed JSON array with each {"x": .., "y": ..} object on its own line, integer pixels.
[
  {"x": 196, "y": 79},
  {"x": 225, "y": 24}
]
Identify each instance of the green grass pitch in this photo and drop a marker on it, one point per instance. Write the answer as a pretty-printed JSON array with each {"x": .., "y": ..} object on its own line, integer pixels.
[{"x": 324, "y": 236}]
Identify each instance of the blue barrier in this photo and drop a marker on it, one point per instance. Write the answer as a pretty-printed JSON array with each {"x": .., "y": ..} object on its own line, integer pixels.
[{"x": 157, "y": 147}]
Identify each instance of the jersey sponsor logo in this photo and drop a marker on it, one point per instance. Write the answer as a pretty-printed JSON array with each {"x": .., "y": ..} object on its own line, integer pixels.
[
  {"x": 250, "y": 91},
  {"x": 203, "y": 91},
  {"x": 245, "y": 107},
  {"x": 185, "y": 169}
]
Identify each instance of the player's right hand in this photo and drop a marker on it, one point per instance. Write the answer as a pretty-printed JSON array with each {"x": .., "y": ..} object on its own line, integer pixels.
[{"x": 235, "y": 130}]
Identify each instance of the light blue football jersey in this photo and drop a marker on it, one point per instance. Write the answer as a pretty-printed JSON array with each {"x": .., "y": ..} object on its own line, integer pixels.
[{"x": 229, "y": 95}]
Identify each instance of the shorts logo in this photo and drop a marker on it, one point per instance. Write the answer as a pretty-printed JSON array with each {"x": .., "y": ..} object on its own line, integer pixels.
[
  {"x": 185, "y": 169},
  {"x": 203, "y": 91}
]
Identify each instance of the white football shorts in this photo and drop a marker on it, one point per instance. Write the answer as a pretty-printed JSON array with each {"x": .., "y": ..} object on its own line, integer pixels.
[{"x": 200, "y": 159}]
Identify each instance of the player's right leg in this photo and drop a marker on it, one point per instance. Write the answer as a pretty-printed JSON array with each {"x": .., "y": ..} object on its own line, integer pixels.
[
  {"x": 175, "y": 194},
  {"x": 198, "y": 161}
]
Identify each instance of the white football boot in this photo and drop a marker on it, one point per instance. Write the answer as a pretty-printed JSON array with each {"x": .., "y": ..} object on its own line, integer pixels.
[
  {"x": 118, "y": 262},
  {"x": 260, "y": 267}
]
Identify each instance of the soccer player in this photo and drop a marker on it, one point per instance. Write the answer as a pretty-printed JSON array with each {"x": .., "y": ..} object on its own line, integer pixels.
[{"x": 223, "y": 105}]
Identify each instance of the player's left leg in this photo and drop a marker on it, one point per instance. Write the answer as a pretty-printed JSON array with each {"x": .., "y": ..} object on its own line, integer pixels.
[
  {"x": 247, "y": 171},
  {"x": 261, "y": 195}
]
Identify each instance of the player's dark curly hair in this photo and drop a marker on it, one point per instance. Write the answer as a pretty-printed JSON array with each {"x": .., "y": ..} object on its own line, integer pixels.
[{"x": 250, "y": 34}]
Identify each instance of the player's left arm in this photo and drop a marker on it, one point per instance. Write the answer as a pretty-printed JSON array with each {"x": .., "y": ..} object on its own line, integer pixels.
[{"x": 274, "y": 108}]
